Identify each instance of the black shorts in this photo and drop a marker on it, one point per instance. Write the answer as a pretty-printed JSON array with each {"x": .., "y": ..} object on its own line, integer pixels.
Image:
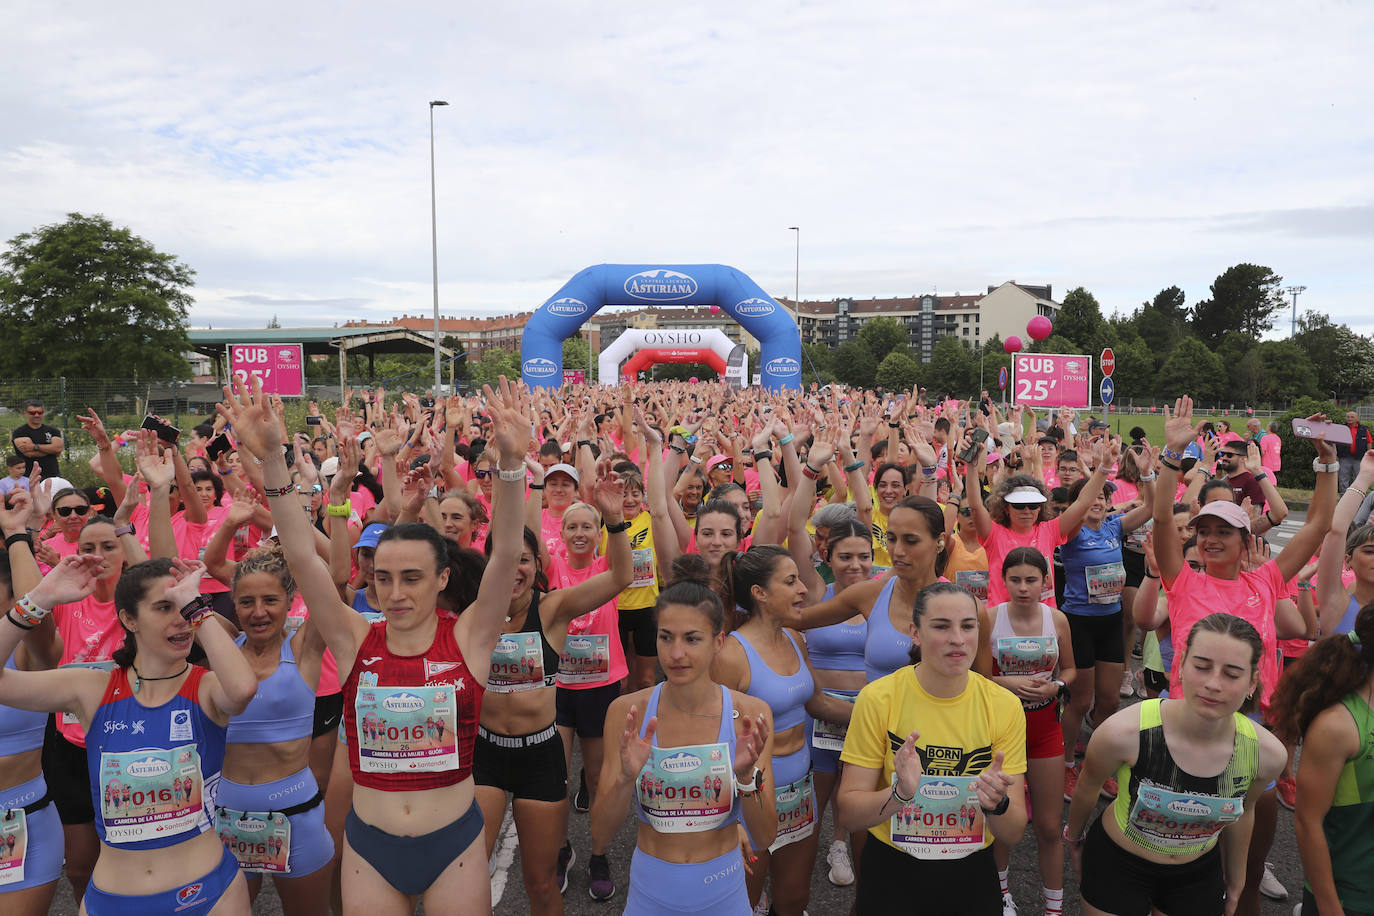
[
  {"x": 585, "y": 710},
  {"x": 528, "y": 766},
  {"x": 1157, "y": 681},
  {"x": 328, "y": 712},
  {"x": 69, "y": 780},
  {"x": 639, "y": 623},
  {"x": 1096, "y": 639},
  {"x": 890, "y": 882},
  {"x": 1116, "y": 881},
  {"x": 1135, "y": 567}
]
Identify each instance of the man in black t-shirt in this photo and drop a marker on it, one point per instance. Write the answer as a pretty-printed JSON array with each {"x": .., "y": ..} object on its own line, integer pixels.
[{"x": 38, "y": 443}]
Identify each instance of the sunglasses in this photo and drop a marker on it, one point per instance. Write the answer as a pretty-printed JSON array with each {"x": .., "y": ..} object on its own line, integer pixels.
[
  {"x": 65, "y": 511},
  {"x": 1195, "y": 566},
  {"x": 481, "y": 474},
  {"x": 725, "y": 466}
]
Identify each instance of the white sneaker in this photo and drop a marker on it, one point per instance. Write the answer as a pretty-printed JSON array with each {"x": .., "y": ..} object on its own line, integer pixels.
[
  {"x": 841, "y": 867},
  {"x": 1127, "y": 683},
  {"x": 1270, "y": 886},
  {"x": 1008, "y": 905}
]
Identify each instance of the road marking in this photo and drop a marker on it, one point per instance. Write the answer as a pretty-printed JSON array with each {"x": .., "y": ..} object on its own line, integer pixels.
[{"x": 502, "y": 858}]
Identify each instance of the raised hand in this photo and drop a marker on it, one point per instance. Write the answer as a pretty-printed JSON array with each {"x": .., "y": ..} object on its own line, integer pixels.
[
  {"x": 750, "y": 738},
  {"x": 1179, "y": 428},
  {"x": 132, "y": 497},
  {"x": 609, "y": 495},
  {"x": 1253, "y": 462},
  {"x": 992, "y": 784},
  {"x": 14, "y": 512},
  {"x": 93, "y": 425},
  {"x": 906, "y": 766},
  {"x": 71, "y": 579},
  {"x": 255, "y": 424},
  {"x": 154, "y": 464},
  {"x": 509, "y": 415},
  {"x": 634, "y": 750},
  {"x": 186, "y": 576},
  {"x": 389, "y": 441}
]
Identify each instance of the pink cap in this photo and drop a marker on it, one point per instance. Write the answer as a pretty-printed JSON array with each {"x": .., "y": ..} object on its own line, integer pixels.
[
  {"x": 715, "y": 460},
  {"x": 1227, "y": 511}
]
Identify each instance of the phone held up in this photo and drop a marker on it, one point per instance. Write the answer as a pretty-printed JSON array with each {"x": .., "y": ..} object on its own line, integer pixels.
[
  {"x": 976, "y": 440},
  {"x": 165, "y": 431}
]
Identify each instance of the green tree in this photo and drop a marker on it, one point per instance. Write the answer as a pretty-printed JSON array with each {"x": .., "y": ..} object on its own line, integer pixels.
[
  {"x": 1169, "y": 303},
  {"x": 1134, "y": 376},
  {"x": 1285, "y": 373},
  {"x": 822, "y": 358},
  {"x": 855, "y": 365},
  {"x": 1344, "y": 361},
  {"x": 882, "y": 336},
  {"x": 1191, "y": 369},
  {"x": 993, "y": 358},
  {"x": 1244, "y": 298},
  {"x": 494, "y": 364},
  {"x": 1080, "y": 320},
  {"x": 576, "y": 353},
  {"x": 898, "y": 371},
  {"x": 85, "y": 298},
  {"x": 953, "y": 369}
]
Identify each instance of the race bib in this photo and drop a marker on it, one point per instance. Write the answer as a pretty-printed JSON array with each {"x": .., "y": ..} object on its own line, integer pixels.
[
  {"x": 687, "y": 789},
  {"x": 1136, "y": 539},
  {"x": 14, "y": 841},
  {"x": 796, "y": 812},
  {"x": 517, "y": 663},
  {"x": 1174, "y": 822},
  {"x": 1105, "y": 582},
  {"x": 643, "y": 567},
  {"x": 150, "y": 794},
  {"x": 294, "y": 623},
  {"x": 829, "y": 736},
  {"x": 407, "y": 729},
  {"x": 943, "y": 821},
  {"x": 1027, "y": 655},
  {"x": 586, "y": 659},
  {"x": 975, "y": 580},
  {"x": 260, "y": 840}
]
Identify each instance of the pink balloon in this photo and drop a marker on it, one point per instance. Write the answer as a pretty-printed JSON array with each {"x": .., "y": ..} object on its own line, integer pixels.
[
  {"x": 715, "y": 309},
  {"x": 693, "y": 379},
  {"x": 1039, "y": 327},
  {"x": 1012, "y": 344}
]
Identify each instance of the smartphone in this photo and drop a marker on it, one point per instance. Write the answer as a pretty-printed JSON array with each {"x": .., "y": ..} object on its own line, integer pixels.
[
  {"x": 313, "y": 421},
  {"x": 165, "y": 431},
  {"x": 217, "y": 446},
  {"x": 1311, "y": 429},
  {"x": 979, "y": 436}
]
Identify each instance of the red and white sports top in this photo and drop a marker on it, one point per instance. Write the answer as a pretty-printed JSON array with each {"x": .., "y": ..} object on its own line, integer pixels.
[{"x": 411, "y": 719}]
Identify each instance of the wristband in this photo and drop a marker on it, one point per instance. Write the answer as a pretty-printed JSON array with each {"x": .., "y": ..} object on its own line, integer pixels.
[
  {"x": 198, "y": 610},
  {"x": 786, "y": 439},
  {"x": 856, "y": 466},
  {"x": 278, "y": 491},
  {"x": 897, "y": 795},
  {"x": 225, "y": 473},
  {"x": 810, "y": 472},
  {"x": 536, "y": 486},
  {"x": 929, "y": 471},
  {"x": 1262, "y": 475},
  {"x": 1149, "y": 575},
  {"x": 514, "y": 475},
  {"x": 343, "y": 511},
  {"x": 23, "y": 536},
  {"x": 18, "y": 623},
  {"x": 894, "y": 426},
  {"x": 763, "y": 455},
  {"x": 1149, "y": 478},
  {"x": 696, "y": 460},
  {"x": 1001, "y": 807},
  {"x": 618, "y": 527},
  {"x": 750, "y": 785},
  {"x": 678, "y": 449},
  {"x": 582, "y": 442},
  {"x": 1320, "y": 468},
  {"x": 1170, "y": 465},
  {"x": 125, "y": 529},
  {"x": 1167, "y": 452},
  {"x": 30, "y": 612}
]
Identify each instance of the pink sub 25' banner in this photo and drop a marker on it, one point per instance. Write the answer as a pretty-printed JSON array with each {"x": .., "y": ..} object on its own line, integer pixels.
[
  {"x": 280, "y": 367},
  {"x": 1051, "y": 380}
]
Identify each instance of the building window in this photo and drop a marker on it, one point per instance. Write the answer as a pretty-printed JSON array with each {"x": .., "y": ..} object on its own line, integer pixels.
[{"x": 965, "y": 319}]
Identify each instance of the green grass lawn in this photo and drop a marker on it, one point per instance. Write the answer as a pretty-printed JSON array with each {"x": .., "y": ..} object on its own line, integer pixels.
[{"x": 1153, "y": 424}]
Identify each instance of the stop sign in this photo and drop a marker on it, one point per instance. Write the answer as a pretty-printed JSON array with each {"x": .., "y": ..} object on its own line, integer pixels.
[{"x": 1108, "y": 362}]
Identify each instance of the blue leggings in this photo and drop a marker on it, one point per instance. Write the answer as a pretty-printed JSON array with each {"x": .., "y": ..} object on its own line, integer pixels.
[
  {"x": 197, "y": 897},
  {"x": 659, "y": 888},
  {"x": 43, "y": 855},
  {"x": 312, "y": 847}
]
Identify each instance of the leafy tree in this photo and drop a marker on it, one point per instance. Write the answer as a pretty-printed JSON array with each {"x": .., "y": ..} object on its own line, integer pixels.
[
  {"x": 86, "y": 298},
  {"x": 882, "y": 336},
  {"x": 274, "y": 323},
  {"x": 1239, "y": 367},
  {"x": 855, "y": 365},
  {"x": 576, "y": 353},
  {"x": 821, "y": 358},
  {"x": 1169, "y": 303},
  {"x": 1244, "y": 298},
  {"x": 993, "y": 358},
  {"x": 1055, "y": 343},
  {"x": 898, "y": 371},
  {"x": 494, "y": 364},
  {"x": 1134, "y": 376},
  {"x": 1191, "y": 369},
  {"x": 1344, "y": 361},
  {"x": 1080, "y": 320},
  {"x": 953, "y": 369},
  {"x": 1285, "y": 372}
]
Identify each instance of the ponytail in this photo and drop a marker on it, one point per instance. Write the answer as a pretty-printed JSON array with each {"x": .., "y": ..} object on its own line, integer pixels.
[{"x": 1337, "y": 665}]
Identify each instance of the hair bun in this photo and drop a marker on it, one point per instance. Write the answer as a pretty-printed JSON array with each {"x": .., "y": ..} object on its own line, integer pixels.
[{"x": 690, "y": 567}]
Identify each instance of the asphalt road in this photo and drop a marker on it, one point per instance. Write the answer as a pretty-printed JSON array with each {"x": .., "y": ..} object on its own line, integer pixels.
[{"x": 509, "y": 897}]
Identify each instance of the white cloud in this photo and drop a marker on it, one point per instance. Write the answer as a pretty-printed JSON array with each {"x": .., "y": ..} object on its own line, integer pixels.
[{"x": 283, "y": 151}]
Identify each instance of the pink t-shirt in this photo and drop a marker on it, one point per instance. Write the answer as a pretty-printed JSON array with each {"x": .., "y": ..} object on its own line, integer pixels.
[
  {"x": 1044, "y": 537},
  {"x": 1271, "y": 447},
  {"x": 552, "y": 532},
  {"x": 604, "y": 622},
  {"x": 1125, "y": 492},
  {"x": 297, "y": 615},
  {"x": 64, "y": 548},
  {"x": 90, "y": 633},
  {"x": 1252, "y": 597}
]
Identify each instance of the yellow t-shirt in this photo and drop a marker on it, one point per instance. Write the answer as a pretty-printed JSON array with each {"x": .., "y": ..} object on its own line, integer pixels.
[
  {"x": 643, "y": 589},
  {"x": 880, "y": 555},
  {"x": 959, "y": 735}
]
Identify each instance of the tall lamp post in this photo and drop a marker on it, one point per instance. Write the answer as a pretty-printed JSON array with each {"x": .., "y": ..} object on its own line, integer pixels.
[
  {"x": 796, "y": 278},
  {"x": 1294, "y": 291},
  {"x": 434, "y": 241}
]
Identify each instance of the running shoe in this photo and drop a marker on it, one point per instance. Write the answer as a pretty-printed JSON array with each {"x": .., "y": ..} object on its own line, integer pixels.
[
  {"x": 581, "y": 799},
  {"x": 599, "y": 883},
  {"x": 1070, "y": 782},
  {"x": 1136, "y": 650},
  {"x": 1109, "y": 788},
  {"x": 566, "y": 857},
  {"x": 1127, "y": 683},
  {"x": 1008, "y": 905},
  {"x": 1288, "y": 792},
  {"x": 841, "y": 868},
  {"x": 1270, "y": 886}
]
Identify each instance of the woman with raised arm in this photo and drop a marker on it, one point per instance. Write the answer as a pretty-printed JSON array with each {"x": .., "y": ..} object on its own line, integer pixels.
[
  {"x": 695, "y": 758},
  {"x": 155, "y": 727},
  {"x": 1338, "y": 604},
  {"x": 518, "y": 749},
  {"x": 411, "y": 697}
]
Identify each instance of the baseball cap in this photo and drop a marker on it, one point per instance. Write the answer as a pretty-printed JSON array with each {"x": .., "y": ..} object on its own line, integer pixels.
[
  {"x": 1098, "y": 424},
  {"x": 370, "y": 535},
  {"x": 563, "y": 469},
  {"x": 715, "y": 460},
  {"x": 330, "y": 467},
  {"x": 1024, "y": 496},
  {"x": 1227, "y": 511}
]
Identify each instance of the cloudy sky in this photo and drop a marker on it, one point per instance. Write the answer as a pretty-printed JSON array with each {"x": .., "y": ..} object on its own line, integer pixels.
[{"x": 282, "y": 149}]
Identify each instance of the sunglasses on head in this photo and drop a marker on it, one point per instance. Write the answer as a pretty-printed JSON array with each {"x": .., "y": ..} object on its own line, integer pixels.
[{"x": 65, "y": 511}]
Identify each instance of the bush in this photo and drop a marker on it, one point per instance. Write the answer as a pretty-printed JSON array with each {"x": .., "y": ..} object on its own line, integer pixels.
[{"x": 1298, "y": 453}]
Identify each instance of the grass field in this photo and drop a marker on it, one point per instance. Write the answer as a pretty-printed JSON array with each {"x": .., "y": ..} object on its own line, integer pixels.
[{"x": 1153, "y": 424}]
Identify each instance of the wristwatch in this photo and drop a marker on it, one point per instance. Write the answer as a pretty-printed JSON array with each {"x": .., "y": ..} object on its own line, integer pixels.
[{"x": 750, "y": 785}]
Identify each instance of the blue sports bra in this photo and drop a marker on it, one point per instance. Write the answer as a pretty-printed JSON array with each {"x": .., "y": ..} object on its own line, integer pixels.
[
  {"x": 838, "y": 647},
  {"x": 786, "y": 695},
  {"x": 283, "y": 709},
  {"x": 885, "y": 649},
  {"x": 725, "y": 736},
  {"x": 20, "y": 730},
  {"x": 1347, "y": 623},
  {"x": 360, "y": 602}
]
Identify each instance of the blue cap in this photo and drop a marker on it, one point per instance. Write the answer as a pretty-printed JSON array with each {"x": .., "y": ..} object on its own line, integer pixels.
[{"x": 370, "y": 535}]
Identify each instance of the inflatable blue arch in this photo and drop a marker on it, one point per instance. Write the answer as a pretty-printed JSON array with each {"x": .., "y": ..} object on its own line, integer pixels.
[{"x": 541, "y": 350}]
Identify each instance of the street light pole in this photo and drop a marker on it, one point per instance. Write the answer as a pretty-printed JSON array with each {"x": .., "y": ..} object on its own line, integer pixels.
[
  {"x": 434, "y": 242},
  {"x": 1294, "y": 291},
  {"x": 796, "y": 278}
]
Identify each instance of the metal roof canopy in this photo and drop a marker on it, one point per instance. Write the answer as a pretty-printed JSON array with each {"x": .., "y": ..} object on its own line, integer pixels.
[{"x": 316, "y": 342}]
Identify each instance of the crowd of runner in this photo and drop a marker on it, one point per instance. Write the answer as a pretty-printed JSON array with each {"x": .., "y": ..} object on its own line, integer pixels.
[{"x": 337, "y": 655}]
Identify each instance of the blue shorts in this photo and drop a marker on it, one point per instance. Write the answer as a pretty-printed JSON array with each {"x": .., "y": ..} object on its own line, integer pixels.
[
  {"x": 825, "y": 760},
  {"x": 659, "y": 888},
  {"x": 312, "y": 847},
  {"x": 197, "y": 897},
  {"x": 788, "y": 768},
  {"x": 43, "y": 855}
]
